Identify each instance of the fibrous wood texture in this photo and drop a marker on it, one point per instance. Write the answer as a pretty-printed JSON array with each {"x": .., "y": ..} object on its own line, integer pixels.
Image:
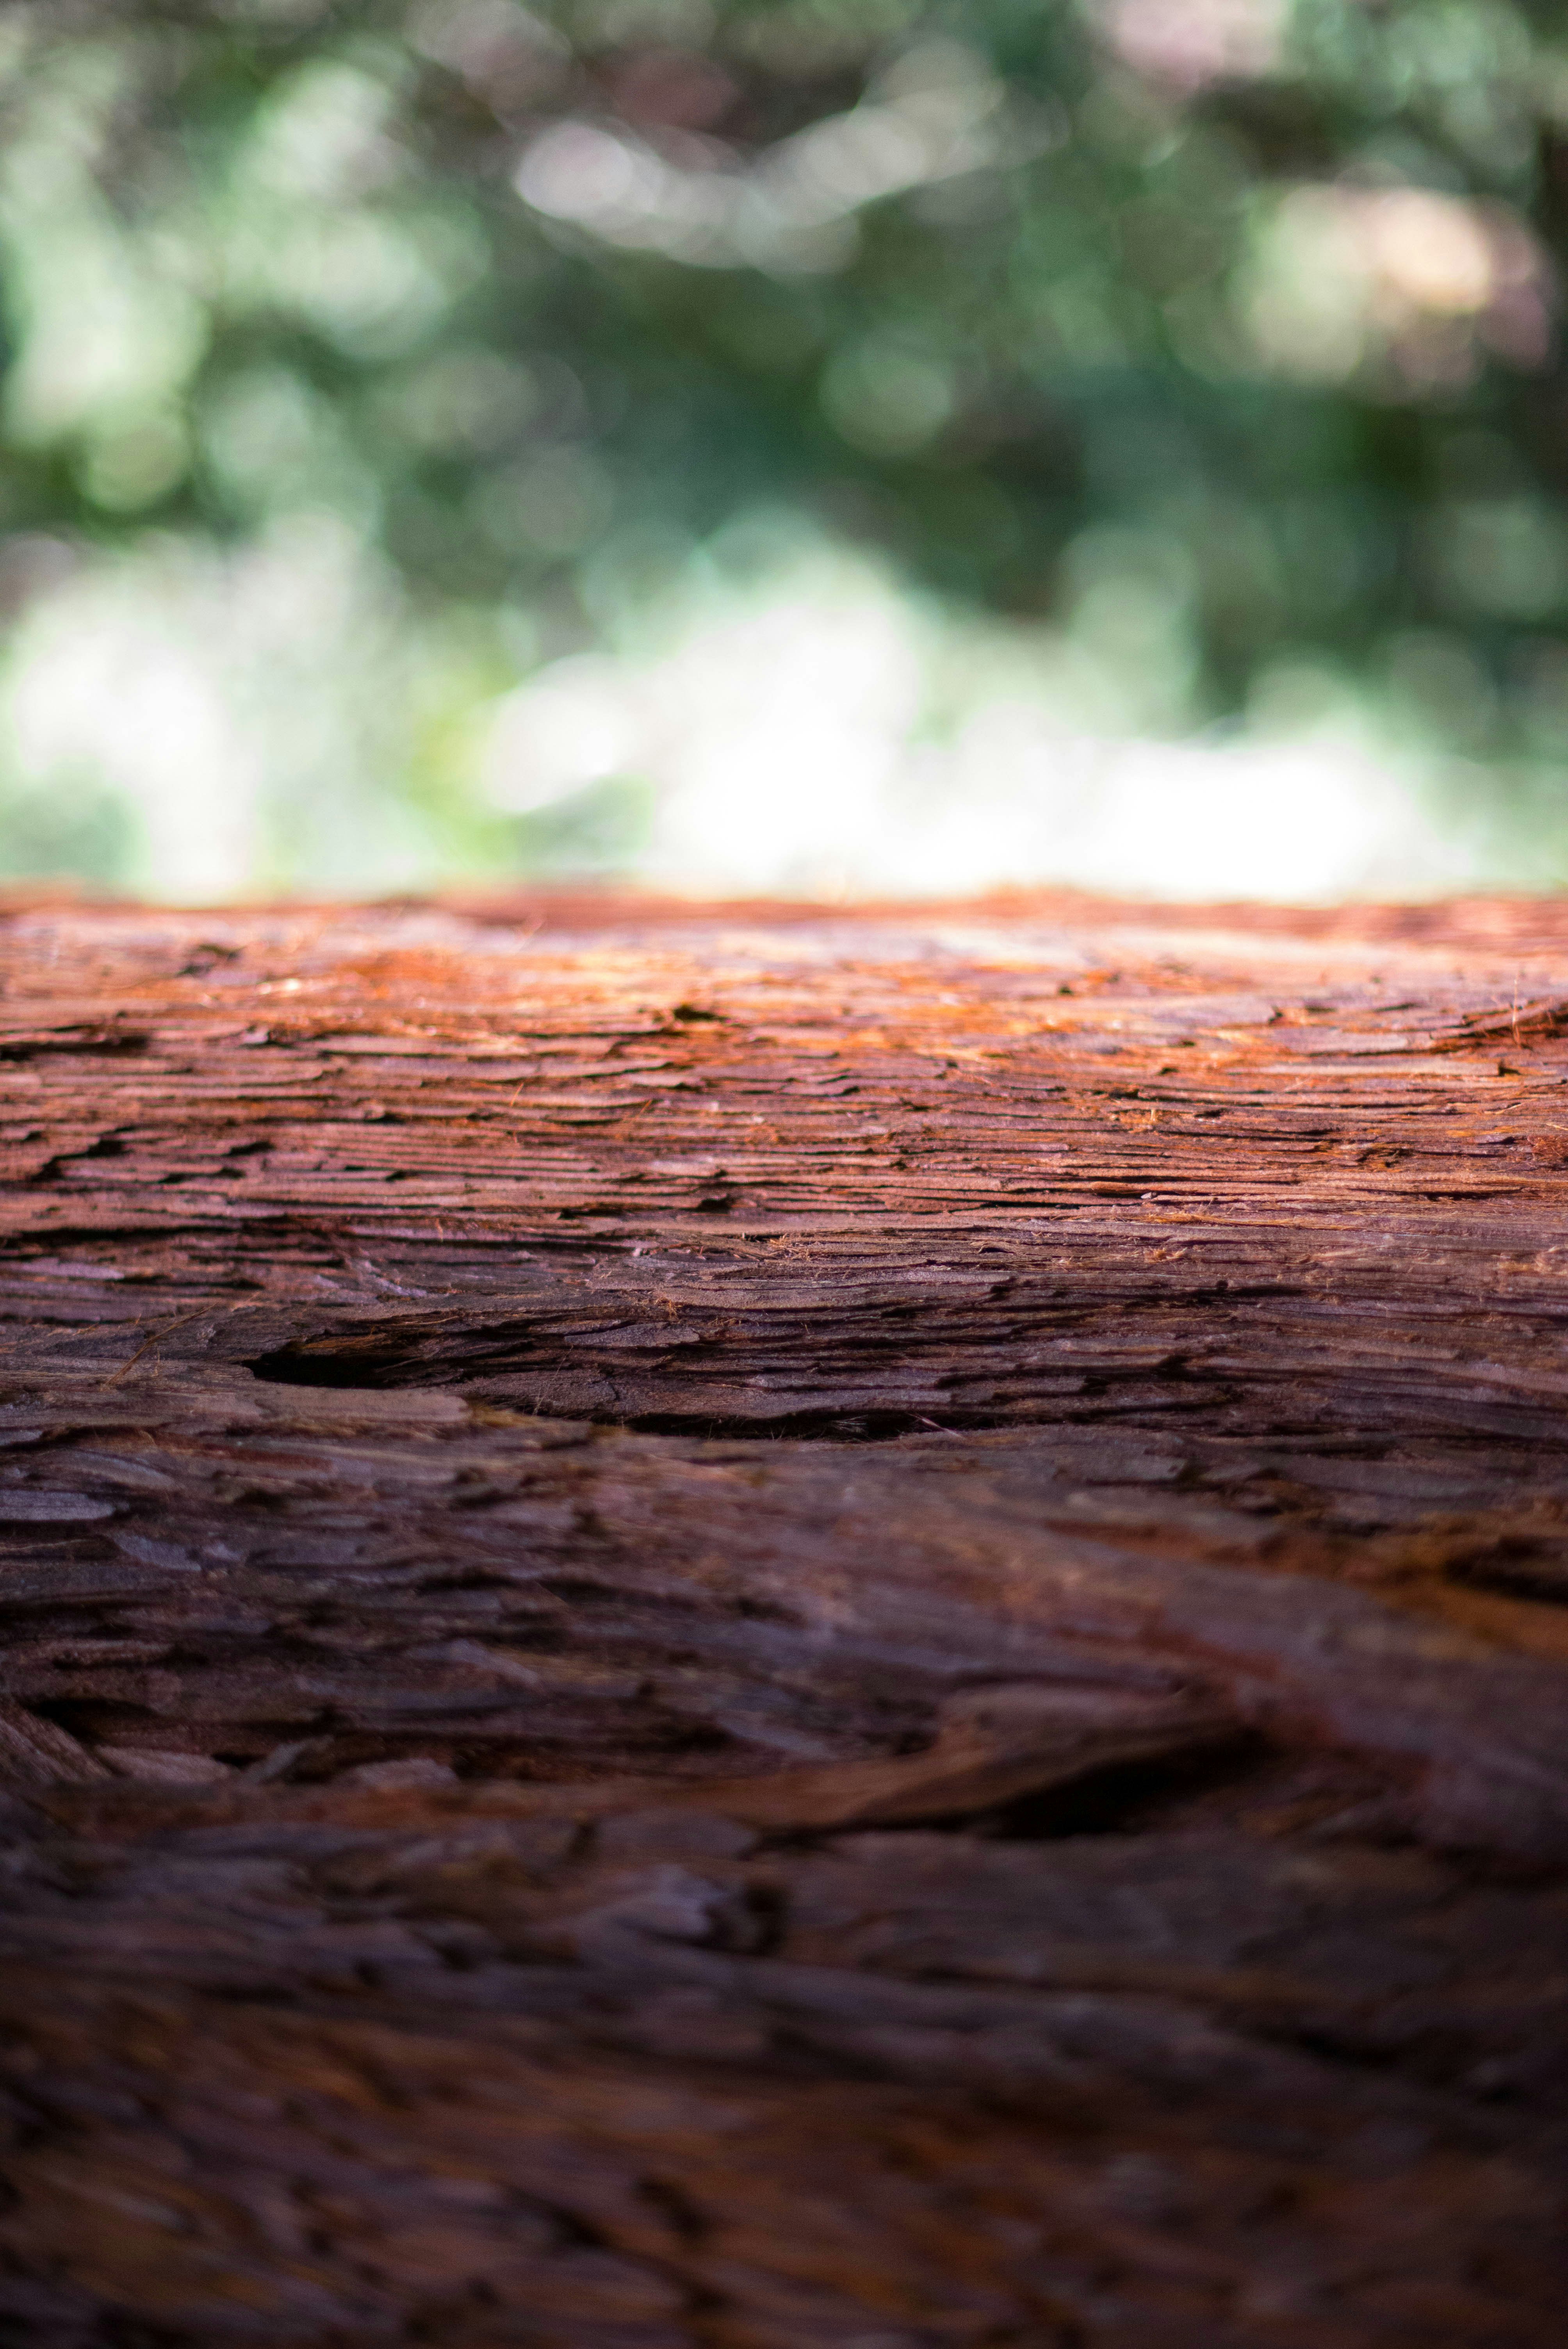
[{"x": 785, "y": 1630}]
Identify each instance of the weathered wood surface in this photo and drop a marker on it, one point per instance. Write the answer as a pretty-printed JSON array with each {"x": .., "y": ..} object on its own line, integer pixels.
[{"x": 785, "y": 1630}]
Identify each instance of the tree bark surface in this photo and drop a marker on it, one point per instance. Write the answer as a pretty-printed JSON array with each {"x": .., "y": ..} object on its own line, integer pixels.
[{"x": 763, "y": 1628}]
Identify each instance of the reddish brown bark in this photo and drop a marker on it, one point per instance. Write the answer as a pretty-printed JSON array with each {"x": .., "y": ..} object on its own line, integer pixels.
[{"x": 754, "y": 1627}]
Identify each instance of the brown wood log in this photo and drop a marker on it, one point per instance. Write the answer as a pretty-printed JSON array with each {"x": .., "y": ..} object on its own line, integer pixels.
[{"x": 780, "y": 1629}]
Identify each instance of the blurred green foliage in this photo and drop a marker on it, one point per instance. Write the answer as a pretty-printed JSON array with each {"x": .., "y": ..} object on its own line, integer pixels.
[{"x": 1233, "y": 309}]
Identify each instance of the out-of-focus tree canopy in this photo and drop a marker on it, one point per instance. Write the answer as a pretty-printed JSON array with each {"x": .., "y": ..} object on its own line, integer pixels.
[{"x": 1234, "y": 305}]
